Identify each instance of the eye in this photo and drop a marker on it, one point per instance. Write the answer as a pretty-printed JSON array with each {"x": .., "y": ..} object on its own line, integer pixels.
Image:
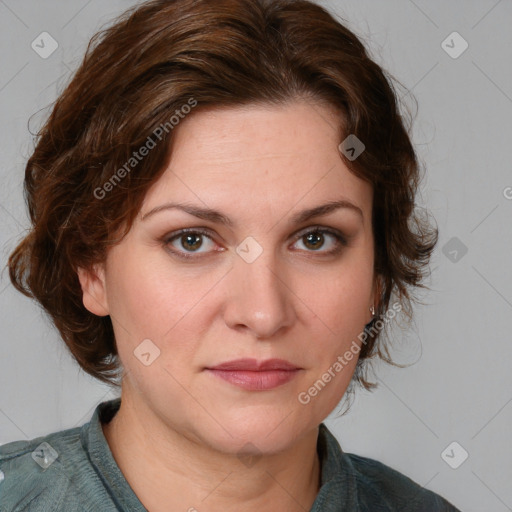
[
  {"x": 318, "y": 238},
  {"x": 186, "y": 242}
]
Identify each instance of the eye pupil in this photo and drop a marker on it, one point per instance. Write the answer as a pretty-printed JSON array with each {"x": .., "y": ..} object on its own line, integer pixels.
[
  {"x": 314, "y": 238},
  {"x": 191, "y": 241}
]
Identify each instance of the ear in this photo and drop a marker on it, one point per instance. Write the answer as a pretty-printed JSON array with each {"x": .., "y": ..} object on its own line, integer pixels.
[{"x": 94, "y": 294}]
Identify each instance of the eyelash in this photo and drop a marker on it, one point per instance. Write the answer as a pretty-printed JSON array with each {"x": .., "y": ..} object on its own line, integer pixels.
[{"x": 341, "y": 241}]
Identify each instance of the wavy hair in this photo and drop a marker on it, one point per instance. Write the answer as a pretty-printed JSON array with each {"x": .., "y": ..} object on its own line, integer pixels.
[{"x": 139, "y": 72}]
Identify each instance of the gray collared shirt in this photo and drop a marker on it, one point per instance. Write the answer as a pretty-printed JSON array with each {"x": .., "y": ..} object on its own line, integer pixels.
[{"x": 74, "y": 470}]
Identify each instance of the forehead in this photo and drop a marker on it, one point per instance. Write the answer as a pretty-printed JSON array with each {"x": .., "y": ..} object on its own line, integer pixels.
[
  {"x": 249, "y": 132},
  {"x": 260, "y": 156}
]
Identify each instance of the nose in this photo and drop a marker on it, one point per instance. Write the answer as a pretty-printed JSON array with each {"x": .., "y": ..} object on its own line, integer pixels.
[{"x": 259, "y": 298}]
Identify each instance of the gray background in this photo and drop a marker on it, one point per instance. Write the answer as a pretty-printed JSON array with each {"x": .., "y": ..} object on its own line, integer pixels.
[{"x": 460, "y": 388}]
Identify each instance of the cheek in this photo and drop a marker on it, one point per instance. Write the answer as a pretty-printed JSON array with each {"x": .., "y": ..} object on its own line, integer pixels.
[
  {"x": 138, "y": 288},
  {"x": 140, "y": 301},
  {"x": 135, "y": 302},
  {"x": 152, "y": 300},
  {"x": 340, "y": 299},
  {"x": 149, "y": 306}
]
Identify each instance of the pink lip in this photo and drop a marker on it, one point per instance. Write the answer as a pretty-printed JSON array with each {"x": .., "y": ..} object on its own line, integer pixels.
[
  {"x": 255, "y": 375},
  {"x": 253, "y": 365}
]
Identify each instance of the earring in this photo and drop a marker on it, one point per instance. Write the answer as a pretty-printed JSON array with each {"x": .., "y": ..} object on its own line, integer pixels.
[{"x": 372, "y": 310}]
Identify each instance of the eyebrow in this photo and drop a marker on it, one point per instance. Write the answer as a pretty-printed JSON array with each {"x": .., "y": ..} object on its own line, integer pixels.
[{"x": 219, "y": 218}]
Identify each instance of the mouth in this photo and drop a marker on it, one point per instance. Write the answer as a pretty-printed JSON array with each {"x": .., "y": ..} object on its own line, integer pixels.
[{"x": 254, "y": 375}]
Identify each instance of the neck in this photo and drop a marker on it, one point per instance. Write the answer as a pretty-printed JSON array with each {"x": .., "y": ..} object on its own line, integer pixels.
[{"x": 168, "y": 471}]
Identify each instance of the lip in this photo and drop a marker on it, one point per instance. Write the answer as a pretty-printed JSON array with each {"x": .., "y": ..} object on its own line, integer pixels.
[
  {"x": 253, "y": 365},
  {"x": 254, "y": 375}
]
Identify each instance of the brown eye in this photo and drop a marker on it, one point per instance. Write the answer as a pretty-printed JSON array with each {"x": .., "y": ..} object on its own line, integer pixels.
[
  {"x": 191, "y": 241},
  {"x": 188, "y": 242},
  {"x": 322, "y": 240},
  {"x": 314, "y": 240}
]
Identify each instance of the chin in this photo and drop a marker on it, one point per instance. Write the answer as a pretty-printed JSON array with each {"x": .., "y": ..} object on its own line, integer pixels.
[{"x": 254, "y": 431}]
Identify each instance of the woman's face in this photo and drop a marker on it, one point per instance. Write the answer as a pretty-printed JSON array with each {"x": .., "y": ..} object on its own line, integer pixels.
[{"x": 256, "y": 280}]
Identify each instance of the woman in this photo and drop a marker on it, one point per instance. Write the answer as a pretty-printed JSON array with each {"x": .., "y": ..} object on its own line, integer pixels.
[{"x": 221, "y": 204}]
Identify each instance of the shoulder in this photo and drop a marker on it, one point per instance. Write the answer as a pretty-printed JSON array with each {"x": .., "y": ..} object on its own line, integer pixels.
[
  {"x": 42, "y": 473},
  {"x": 378, "y": 483}
]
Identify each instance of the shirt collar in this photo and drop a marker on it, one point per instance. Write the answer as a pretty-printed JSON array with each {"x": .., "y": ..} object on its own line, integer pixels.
[
  {"x": 95, "y": 443},
  {"x": 337, "y": 480}
]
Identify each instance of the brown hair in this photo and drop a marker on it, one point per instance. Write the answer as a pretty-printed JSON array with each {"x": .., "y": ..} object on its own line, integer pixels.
[{"x": 142, "y": 70}]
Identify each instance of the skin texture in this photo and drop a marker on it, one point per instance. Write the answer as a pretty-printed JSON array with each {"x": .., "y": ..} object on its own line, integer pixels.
[{"x": 181, "y": 434}]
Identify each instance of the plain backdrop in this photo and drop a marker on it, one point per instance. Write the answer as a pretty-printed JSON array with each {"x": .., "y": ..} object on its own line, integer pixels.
[{"x": 459, "y": 388}]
